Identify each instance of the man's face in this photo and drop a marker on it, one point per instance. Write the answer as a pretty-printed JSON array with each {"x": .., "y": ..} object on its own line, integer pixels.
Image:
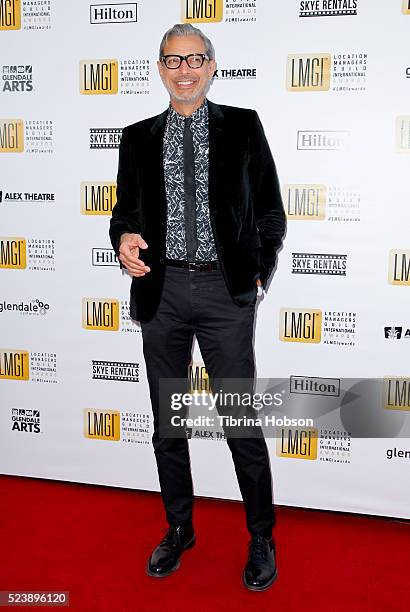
[{"x": 185, "y": 84}]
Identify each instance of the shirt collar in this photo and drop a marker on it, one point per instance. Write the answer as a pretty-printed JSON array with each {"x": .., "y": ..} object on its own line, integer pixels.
[{"x": 198, "y": 117}]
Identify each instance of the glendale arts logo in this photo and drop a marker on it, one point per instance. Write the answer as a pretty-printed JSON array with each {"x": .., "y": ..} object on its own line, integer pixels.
[
  {"x": 98, "y": 198},
  {"x": 105, "y": 138},
  {"x": 113, "y": 76},
  {"x": 327, "y": 8},
  {"x": 17, "y": 78},
  {"x": 113, "y": 13},
  {"x": 319, "y": 263},
  {"x": 399, "y": 267},
  {"x": 25, "y": 420}
]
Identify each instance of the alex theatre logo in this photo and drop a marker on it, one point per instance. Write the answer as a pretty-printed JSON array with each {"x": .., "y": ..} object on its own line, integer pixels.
[
  {"x": 305, "y": 202},
  {"x": 10, "y": 14},
  {"x": 202, "y": 11},
  {"x": 11, "y": 135},
  {"x": 300, "y": 325},
  {"x": 308, "y": 72},
  {"x": 98, "y": 198},
  {"x": 406, "y": 7},
  {"x": 399, "y": 267},
  {"x": 102, "y": 424},
  {"x": 297, "y": 443},
  {"x": 99, "y": 77},
  {"x": 14, "y": 364},
  {"x": 13, "y": 253},
  {"x": 101, "y": 314},
  {"x": 396, "y": 393}
]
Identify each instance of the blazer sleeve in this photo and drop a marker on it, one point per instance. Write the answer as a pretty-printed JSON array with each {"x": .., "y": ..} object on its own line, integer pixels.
[
  {"x": 267, "y": 201},
  {"x": 125, "y": 214}
]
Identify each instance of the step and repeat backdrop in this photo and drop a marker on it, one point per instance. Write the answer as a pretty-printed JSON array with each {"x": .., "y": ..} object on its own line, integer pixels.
[{"x": 330, "y": 80}]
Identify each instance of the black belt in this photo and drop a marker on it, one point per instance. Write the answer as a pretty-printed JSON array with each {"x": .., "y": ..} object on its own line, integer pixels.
[{"x": 203, "y": 266}]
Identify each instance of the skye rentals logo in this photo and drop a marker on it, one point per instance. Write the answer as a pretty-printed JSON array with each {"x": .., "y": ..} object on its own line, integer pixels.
[
  {"x": 98, "y": 198},
  {"x": 300, "y": 325},
  {"x": 99, "y": 77},
  {"x": 13, "y": 253},
  {"x": 10, "y": 14},
  {"x": 14, "y": 364},
  {"x": 101, "y": 314},
  {"x": 11, "y": 136},
  {"x": 201, "y": 11}
]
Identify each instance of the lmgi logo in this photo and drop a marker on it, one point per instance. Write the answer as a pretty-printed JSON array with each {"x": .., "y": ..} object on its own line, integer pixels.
[
  {"x": 300, "y": 325},
  {"x": 308, "y": 72},
  {"x": 396, "y": 393},
  {"x": 98, "y": 198},
  {"x": 14, "y": 364},
  {"x": 198, "y": 378},
  {"x": 99, "y": 77},
  {"x": 13, "y": 253},
  {"x": 11, "y": 136},
  {"x": 297, "y": 443},
  {"x": 102, "y": 424},
  {"x": 10, "y": 15},
  {"x": 202, "y": 11},
  {"x": 399, "y": 267},
  {"x": 305, "y": 202},
  {"x": 406, "y": 7},
  {"x": 101, "y": 314}
]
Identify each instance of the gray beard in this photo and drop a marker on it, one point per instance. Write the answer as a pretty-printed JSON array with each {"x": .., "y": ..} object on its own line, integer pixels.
[{"x": 194, "y": 98}]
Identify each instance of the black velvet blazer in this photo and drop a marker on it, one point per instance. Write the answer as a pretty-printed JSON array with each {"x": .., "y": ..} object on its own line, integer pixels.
[{"x": 245, "y": 205}]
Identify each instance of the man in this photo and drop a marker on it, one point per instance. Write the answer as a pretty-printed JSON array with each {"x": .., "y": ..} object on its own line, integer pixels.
[{"x": 197, "y": 224}]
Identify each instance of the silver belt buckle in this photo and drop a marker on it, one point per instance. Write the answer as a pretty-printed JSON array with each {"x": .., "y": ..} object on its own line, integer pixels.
[{"x": 191, "y": 267}]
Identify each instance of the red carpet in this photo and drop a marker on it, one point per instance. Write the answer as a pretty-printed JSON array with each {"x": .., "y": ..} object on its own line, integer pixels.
[{"x": 94, "y": 541}]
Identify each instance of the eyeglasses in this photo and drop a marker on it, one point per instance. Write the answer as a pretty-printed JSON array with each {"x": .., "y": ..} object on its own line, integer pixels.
[{"x": 194, "y": 60}]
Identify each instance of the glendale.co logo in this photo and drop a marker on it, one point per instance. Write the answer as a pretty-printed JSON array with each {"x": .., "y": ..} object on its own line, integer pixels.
[{"x": 113, "y": 13}]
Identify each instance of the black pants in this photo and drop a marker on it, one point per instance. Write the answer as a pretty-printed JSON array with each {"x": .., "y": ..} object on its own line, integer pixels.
[{"x": 198, "y": 303}]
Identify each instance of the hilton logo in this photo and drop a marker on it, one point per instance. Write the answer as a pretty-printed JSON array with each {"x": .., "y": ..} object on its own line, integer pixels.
[
  {"x": 101, "y": 314},
  {"x": 403, "y": 134},
  {"x": 10, "y": 14},
  {"x": 396, "y": 393},
  {"x": 102, "y": 424},
  {"x": 104, "y": 257},
  {"x": 314, "y": 385},
  {"x": 13, "y": 253},
  {"x": 11, "y": 136},
  {"x": 406, "y": 7},
  {"x": 98, "y": 77},
  {"x": 14, "y": 364},
  {"x": 300, "y": 325},
  {"x": 308, "y": 72},
  {"x": 305, "y": 202},
  {"x": 98, "y": 198},
  {"x": 324, "y": 8},
  {"x": 113, "y": 13},
  {"x": 105, "y": 138},
  {"x": 319, "y": 263},
  {"x": 297, "y": 443},
  {"x": 201, "y": 11},
  {"x": 399, "y": 267},
  {"x": 311, "y": 140}
]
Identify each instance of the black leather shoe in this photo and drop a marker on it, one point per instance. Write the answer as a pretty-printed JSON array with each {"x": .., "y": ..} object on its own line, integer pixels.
[
  {"x": 165, "y": 558},
  {"x": 260, "y": 570}
]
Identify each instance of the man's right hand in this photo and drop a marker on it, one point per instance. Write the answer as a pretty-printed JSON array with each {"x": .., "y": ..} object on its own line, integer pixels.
[{"x": 130, "y": 245}]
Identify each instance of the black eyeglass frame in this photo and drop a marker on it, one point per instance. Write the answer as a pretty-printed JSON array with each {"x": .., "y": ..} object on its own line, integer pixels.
[{"x": 185, "y": 57}]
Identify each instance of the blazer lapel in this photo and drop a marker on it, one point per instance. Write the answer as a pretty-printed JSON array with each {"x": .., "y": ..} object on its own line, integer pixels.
[
  {"x": 154, "y": 157},
  {"x": 216, "y": 155}
]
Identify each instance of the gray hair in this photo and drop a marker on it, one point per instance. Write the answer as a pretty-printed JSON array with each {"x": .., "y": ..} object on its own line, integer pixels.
[{"x": 186, "y": 29}]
